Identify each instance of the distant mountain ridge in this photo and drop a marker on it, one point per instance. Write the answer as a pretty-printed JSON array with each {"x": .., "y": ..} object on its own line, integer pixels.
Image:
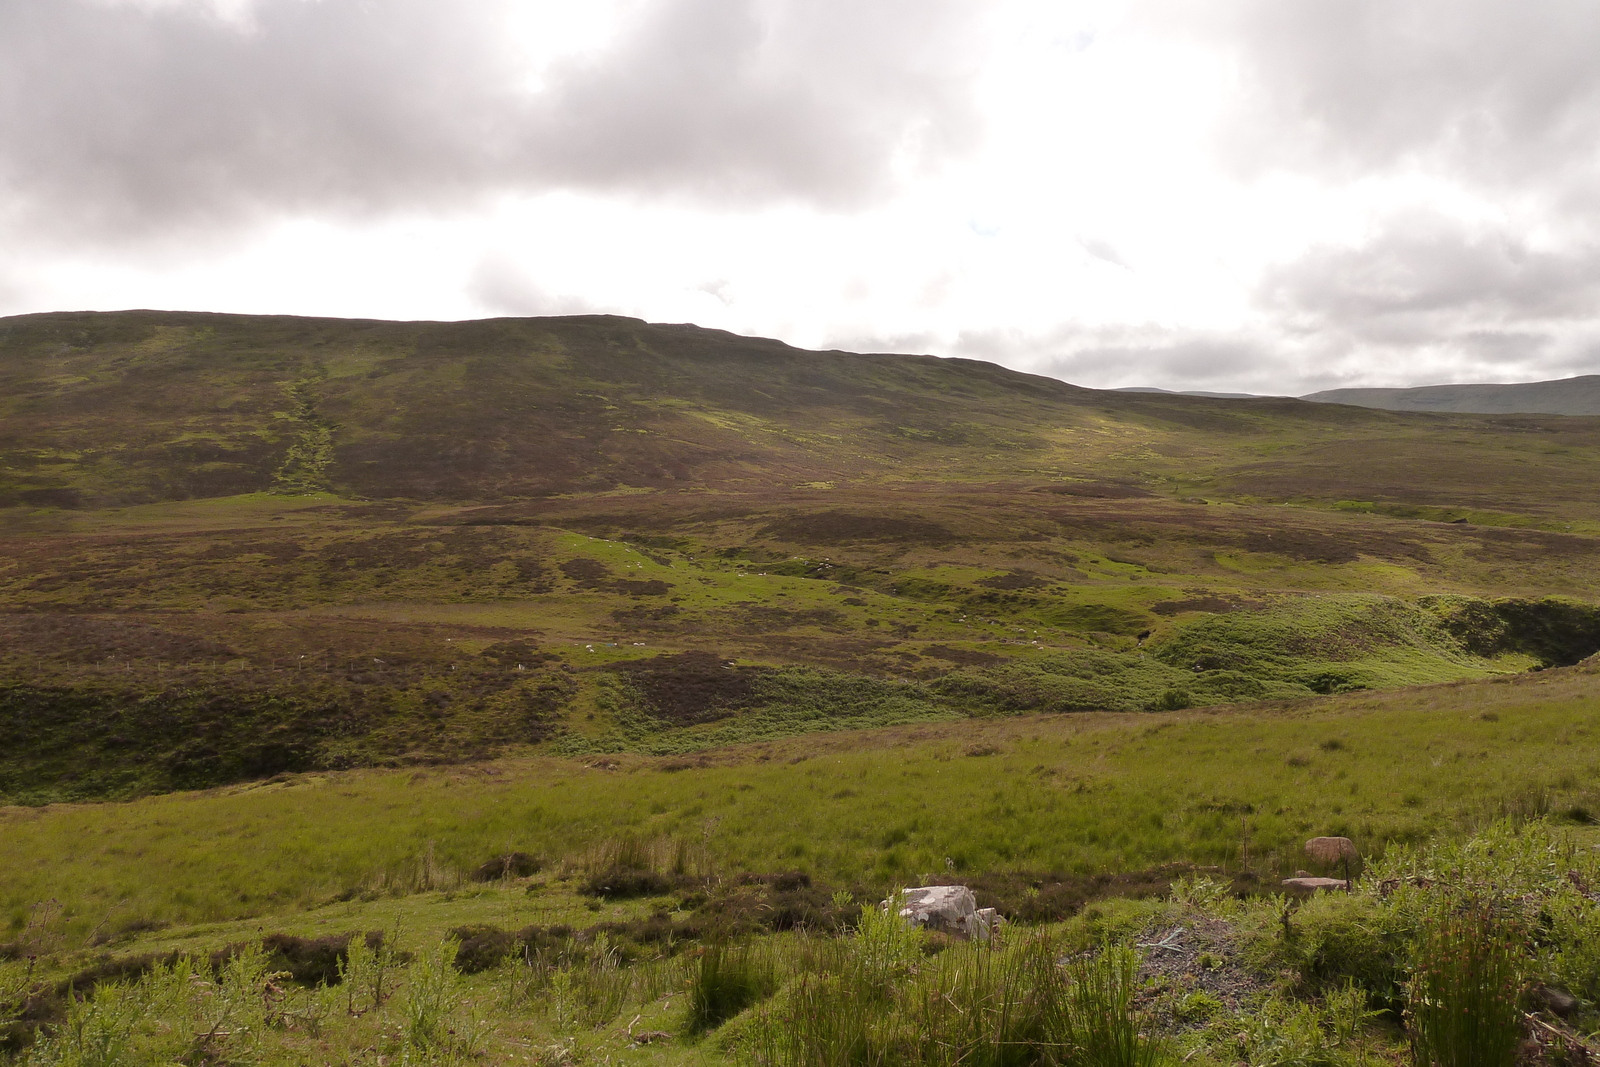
[
  {"x": 1188, "y": 392},
  {"x": 1565, "y": 396}
]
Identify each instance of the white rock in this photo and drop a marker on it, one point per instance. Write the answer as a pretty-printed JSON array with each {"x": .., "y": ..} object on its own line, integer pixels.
[
  {"x": 950, "y": 909},
  {"x": 1317, "y": 883}
]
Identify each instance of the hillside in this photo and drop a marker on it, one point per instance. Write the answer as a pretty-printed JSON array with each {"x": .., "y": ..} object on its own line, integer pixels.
[
  {"x": 564, "y": 690},
  {"x": 114, "y": 409},
  {"x": 1566, "y": 396},
  {"x": 237, "y": 546}
]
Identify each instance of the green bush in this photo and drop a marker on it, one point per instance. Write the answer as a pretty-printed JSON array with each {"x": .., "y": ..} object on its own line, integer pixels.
[
  {"x": 1574, "y": 936},
  {"x": 1335, "y": 939}
]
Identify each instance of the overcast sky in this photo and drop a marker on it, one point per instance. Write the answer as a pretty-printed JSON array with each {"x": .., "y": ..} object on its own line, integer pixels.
[{"x": 1257, "y": 195}]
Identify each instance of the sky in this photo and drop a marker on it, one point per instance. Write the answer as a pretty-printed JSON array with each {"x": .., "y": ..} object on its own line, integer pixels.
[{"x": 1237, "y": 195}]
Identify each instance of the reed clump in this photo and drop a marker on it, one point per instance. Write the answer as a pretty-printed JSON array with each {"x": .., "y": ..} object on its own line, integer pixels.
[{"x": 1463, "y": 1004}]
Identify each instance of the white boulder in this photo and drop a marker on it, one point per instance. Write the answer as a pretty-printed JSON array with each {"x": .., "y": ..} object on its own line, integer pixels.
[{"x": 949, "y": 909}]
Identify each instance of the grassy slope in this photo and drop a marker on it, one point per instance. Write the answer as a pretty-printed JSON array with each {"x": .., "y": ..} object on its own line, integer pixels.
[
  {"x": 1065, "y": 793},
  {"x": 945, "y": 537}
]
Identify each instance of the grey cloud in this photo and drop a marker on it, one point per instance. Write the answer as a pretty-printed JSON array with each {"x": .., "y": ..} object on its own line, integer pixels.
[
  {"x": 502, "y": 287},
  {"x": 1103, "y": 250},
  {"x": 1503, "y": 92},
  {"x": 1420, "y": 267},
  {"x": 119, "y": 121},
  {"x": 1110, "y": 357},
  {"x": 1427, "y": 288},
  {"x": 1498, "y": 100},
  {"x": 1270, "y": 357}
]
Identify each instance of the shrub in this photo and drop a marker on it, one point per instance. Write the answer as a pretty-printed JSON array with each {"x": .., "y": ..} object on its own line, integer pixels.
[
  {"x": 1334, "y": 939},
  {"x": 1174, "y": 700},
  {"x": 1575, "y": 930},
  {"x": 621, "y": 883},
  {"x": 308, "y": 961},
  {"x": 1282, "y": 1033},
  {"x": 366, "y": 969},
  {"x": 511, "y": 865},
  {"x": 99, "y": 1031},
  {"x": 481, "y": 948},
  {"x": 433, "y": 993},
  {"x": 885, "y": 946}
]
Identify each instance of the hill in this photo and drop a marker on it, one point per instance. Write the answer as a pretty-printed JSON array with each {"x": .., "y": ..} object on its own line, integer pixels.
[
  {"x": 236, "y": 546},
  {"x": 606, "y": 675},
  {"x": 1187, "y": 392},
  {"x": 1567, "y": 396}
]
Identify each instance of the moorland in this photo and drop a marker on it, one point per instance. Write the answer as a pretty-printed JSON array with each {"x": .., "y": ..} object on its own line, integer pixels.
[{"x": 645, "y": 655}]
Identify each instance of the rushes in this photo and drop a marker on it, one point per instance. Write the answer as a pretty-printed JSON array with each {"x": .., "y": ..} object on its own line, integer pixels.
[
  {"x": 973, "y": 1005},
  {"x": 728, "y": 979},
  {"x": 1104, "y": 1029},
  {"x": 589, "y": 989},
  {"x": 1469, "y": 972}
]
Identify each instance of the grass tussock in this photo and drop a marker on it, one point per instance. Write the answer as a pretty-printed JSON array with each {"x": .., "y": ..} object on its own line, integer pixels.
[
  {"x": 1463, "y": 1006},
  {"x": 728, "y": 978}
]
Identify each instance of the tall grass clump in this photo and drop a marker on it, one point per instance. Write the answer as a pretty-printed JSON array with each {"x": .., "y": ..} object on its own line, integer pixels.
[
  {"x": 879, "y": 1000},
  {"x": 1467, "y": 979},
  {"x": 1104, "y": 1028},
  {"x": 991, "y": 1008},
  {"x": 726, "y": 980},
  {"x": 587, "y": 985}
]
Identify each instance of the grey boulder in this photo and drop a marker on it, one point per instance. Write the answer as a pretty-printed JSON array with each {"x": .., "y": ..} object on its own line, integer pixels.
[{"x": 949, "y": 909}]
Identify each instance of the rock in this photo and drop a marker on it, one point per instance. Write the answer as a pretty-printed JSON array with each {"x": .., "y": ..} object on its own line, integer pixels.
[
  {"x": 1556, "y": 1001},
  {"x": 650, "y": 1036},
  {"x": 949, "y": 909},
  {"x": 1316, "y": 883},
  {"x": 1332, "y": 850}
]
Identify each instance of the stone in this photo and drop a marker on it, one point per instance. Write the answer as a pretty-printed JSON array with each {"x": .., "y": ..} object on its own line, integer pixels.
[
  {"x": 1332, "y": 850},
  {"x": 948, "y": 909},
  {"x": 1316, "y": 883},
  {"x": 1556, "y": 1001}
]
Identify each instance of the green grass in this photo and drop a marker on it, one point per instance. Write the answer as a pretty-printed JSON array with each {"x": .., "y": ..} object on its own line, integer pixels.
[
  {"x": 1075, "y": 794},
  {"x": 1335, "y": 980}
]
